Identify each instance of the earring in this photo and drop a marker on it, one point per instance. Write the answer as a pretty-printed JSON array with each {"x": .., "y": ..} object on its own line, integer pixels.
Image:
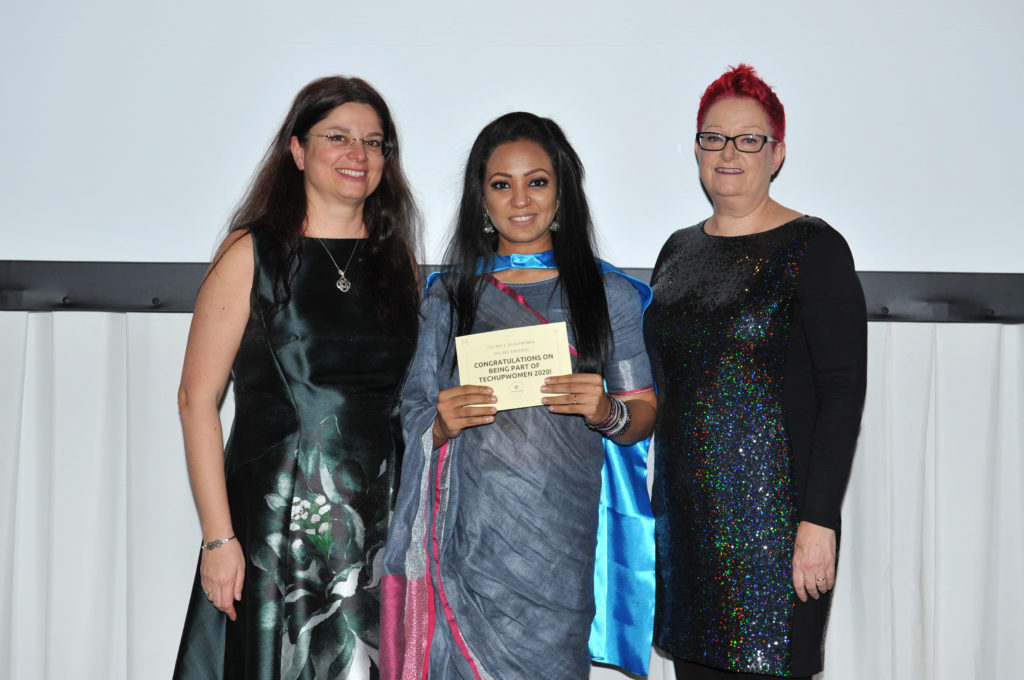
[
  {"x": 554, "y": 223},
  {"x": 488, "y": 225}
]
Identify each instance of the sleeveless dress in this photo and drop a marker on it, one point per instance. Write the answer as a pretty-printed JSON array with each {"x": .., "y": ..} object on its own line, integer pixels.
[
  {"x": 758, "y": 345},
  {"x": 311, "y": 466}
]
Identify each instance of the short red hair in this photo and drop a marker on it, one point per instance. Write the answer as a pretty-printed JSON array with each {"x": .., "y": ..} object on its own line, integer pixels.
[{"x": 742, "y": 81}]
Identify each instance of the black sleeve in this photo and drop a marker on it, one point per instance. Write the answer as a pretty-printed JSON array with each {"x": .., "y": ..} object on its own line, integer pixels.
[{"x": 833, "y": 321}]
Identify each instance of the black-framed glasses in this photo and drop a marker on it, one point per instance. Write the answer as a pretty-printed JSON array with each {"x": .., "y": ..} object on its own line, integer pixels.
[
  {"x": 749, "y": 143},
  {"x": 372, "y": 147}
]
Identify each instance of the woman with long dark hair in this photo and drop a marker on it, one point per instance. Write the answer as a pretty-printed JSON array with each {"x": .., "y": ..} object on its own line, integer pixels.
[
  {"x": 490, "y": 561},
  {"x": 310, "y": 306}
]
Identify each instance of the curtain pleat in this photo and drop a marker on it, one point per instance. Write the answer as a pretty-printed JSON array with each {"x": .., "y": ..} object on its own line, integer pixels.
[
  {"x": 100, "y": 534},
  {"x": 13, "y": 349}
]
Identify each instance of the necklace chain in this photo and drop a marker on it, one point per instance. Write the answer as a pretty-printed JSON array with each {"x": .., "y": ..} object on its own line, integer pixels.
[{"x": 343, "y": 283}]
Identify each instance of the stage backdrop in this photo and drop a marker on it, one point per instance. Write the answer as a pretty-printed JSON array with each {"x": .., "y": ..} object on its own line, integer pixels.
[
  {"x": 130, "y": 129},
  {"x": 101, "y": 536}
]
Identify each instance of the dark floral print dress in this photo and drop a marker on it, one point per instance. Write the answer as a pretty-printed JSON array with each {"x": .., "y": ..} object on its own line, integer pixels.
[{"x": 311, "y": 465}]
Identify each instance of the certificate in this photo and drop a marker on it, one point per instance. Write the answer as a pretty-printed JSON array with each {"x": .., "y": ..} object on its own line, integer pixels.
[{"x": 514, "y": 361}]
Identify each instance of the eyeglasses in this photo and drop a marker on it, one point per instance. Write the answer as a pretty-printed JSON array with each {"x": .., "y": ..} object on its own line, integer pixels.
[
  {"x": 372, "y": 147},
  {"x": 714, "y": 141}
]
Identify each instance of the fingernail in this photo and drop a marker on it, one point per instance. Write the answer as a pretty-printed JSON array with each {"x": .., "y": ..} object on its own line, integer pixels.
[{"x": 544, "y": 388}]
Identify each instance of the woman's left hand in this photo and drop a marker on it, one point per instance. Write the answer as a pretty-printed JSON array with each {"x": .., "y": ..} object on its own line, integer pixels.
[
  {"x": 814, "y": 561},
  {"x": 579, "y": 394}
]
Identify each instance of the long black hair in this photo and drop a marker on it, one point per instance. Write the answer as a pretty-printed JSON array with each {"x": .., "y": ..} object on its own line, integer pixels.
[
  {"x": 574, "y": 248},
  {"x": 275, "y": 203}
]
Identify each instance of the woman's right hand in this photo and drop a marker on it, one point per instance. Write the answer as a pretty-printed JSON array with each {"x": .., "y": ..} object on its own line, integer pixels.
[
  {"x": 218, "y": 323},
  {"x": 221, "y": 574},
  {"x": 459, "y": 408}
]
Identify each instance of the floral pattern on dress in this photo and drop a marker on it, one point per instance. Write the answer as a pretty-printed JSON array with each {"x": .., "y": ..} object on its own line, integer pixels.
[{"x": 319, "y": 559}]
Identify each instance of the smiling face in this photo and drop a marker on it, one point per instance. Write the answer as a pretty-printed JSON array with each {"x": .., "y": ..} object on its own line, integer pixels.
[
  {"x": 729, "y": 174},
  {"x": 339, "y": 172},
  {"x": 521, "y": 196}
]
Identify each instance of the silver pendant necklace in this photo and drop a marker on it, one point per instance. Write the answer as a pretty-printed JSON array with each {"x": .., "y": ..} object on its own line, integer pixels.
[{"x": 343, "y": 283}]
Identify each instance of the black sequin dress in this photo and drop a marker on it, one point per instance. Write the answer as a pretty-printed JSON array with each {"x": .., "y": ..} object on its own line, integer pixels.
[
  {"x": 311, "y": 465},
  {"x": 758, "y": 347}
]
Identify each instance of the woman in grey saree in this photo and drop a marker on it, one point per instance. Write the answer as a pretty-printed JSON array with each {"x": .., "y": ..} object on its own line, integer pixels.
[{"x": 488, "y": 571}]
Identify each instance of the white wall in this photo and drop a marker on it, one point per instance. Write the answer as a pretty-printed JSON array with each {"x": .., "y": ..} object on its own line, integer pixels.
[{"x": 128, "y": 130}]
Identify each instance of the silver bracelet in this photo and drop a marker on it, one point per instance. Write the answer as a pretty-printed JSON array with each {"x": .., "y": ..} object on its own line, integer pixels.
[
  {"x": 618, "y": 419},
  {"x": 213, "y": 545},
  {"x": 613, "y": 412},
  {"x": 621, "y": 424}
]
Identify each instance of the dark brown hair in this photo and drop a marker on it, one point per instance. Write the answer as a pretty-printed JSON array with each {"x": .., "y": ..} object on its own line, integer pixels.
[
  {"x": 275, "y": 204},
  {"x": 583, "y": 294}
]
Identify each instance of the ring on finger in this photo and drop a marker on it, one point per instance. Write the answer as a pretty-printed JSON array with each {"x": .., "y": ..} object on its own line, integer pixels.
[
  {"x": 573, "y": 399},
  {"x": 209, "y": 595}
]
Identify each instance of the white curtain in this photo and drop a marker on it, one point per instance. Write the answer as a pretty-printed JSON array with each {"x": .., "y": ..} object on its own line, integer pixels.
[{"x": 100, "y": 537}]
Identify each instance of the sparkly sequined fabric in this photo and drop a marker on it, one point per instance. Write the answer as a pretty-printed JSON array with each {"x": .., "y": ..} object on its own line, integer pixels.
[{"x": 726, "y": 499}]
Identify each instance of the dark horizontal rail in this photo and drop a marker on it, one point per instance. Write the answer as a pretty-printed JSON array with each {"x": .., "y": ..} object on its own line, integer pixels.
[{"x": 30, "y": 285}]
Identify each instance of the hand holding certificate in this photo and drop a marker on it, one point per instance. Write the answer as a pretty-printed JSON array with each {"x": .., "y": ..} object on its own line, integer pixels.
[{"x": 514, "y": 362}]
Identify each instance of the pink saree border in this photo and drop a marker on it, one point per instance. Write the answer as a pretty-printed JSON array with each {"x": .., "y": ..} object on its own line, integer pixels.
[
  {"x": 448, "y": 613},
  {"x": 503, "y": 287}
]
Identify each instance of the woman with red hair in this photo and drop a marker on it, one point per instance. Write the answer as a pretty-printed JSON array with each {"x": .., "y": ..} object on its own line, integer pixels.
[{"x": 757, "y": 337}]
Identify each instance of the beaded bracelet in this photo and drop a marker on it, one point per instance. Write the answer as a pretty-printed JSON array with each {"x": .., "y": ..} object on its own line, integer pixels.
[
  {"x": 618, "y": 419},
  {"x": 623, "y": 424},
  {"x": 612, "y": 412}
]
